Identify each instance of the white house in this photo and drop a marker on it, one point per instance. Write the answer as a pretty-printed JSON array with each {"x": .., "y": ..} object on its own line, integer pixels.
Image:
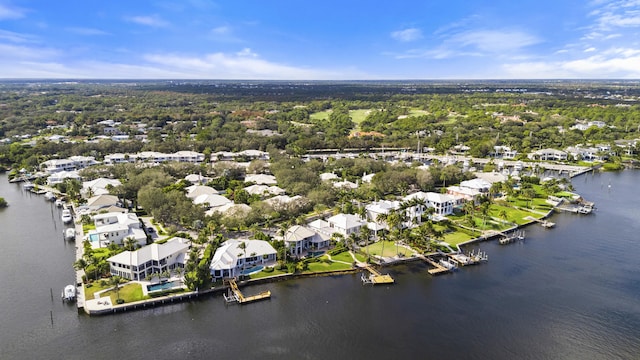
[
  {"x": 230, "y": 260},
  {"x": 261, "y": 179},
  {"x": 211, "y": 201},
  {"x": 481, "y": 185},
  {"x": 154, "y": 258},
  {"x": 72, "y": 163},
  {"x": 113, "y": 228},
  {"x": 300, "y": 239},
  {"x": 382, "y": 207},
  {"x": 98, "y": 186},
  {"x": 442, "y": 203},
  {"x": 194, "y": 191},
  {"x": 346, "y": 224},
  {"x": 548, "y": 154},
  {"x": 61, "y": 176}
]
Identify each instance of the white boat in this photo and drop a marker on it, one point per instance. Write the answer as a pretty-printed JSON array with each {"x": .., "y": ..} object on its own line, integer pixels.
[
  {"x": 449, "y": 264},
  {"x": 59, "y": 203},
  {"x": 49, "y": 196},
  {"x": 66, "y": 216},
  {"x": 69, "y": 293},
  {"x": 28, "y": 185},
  {"x": 70, "y": 234}
]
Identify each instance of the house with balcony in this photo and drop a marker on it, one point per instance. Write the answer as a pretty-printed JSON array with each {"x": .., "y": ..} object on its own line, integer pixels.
[
  {"x": 151, "y": 259},
  {"x": 232, "y": 260}
]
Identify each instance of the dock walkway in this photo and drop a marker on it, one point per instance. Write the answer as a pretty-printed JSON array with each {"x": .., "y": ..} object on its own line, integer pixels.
[
  {"x": 237, "y": 296},
  {"x": 437, "y": 268},
  {"x": 376, "y": 277}
]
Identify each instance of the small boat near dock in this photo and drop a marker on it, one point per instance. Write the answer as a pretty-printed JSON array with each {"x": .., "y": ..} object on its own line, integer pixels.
[
  {"x": 49, "y": 196},
  {"x": 509, "y": 238},
  {"x": 69, "y": 293},
  {"x": 66, "y": 216},
  {"x": 69, "y": 234}
]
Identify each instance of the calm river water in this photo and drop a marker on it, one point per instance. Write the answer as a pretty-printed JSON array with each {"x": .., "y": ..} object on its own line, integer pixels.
[{"x": 572, "y": 292}]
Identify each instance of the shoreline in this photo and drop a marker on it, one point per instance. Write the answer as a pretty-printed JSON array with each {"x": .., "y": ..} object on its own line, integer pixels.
[{"x": 194, "y": 295}]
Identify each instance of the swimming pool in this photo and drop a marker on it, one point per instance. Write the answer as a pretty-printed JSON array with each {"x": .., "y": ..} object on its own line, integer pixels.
[
  {"x": 94, "y": 237},
  {"x": 163, "y": 285},
  {"x": 252, "y": 270}
]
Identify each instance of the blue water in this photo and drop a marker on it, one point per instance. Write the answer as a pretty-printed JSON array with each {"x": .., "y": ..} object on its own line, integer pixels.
[
  {"x": 94, "y": 237},
  {"x": 252, "y": 270},
  {"x": 571, "y": 292},
  {"x": 164, "y": 285}
]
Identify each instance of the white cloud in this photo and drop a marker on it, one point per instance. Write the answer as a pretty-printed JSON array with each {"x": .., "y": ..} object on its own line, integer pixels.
[
  {"x": 407, "y": 35},
  {"x": 19, "y": 52},
  {"x": 475, "y": 43},
  {"x": 86, "y": 31},
  {"x": 221, "y": 30},
  {"x": 148, "y": 20},
  {"x": 494, "y": 41},
  {"x": 7, "y": 12},
  {"x": 244, "y": 64},
  {"x": 16, "y": 37},
  {"x": 616, "y": 14},
  {"x": 612, "y": 63},
  {"x": 591, "y": 49}
]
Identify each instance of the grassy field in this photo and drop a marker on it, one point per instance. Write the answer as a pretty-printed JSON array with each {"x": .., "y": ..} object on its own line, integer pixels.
[
  {"x": 343, "y": 256},
  {"x": 456, "y": 237},
  {"x": 263, "y": 274},
  {"x": 128, "y": 292},
  {"x": 94, "y": 288},
  {"x": 389, "y": 249},
  {"x": 513, "y": 215},
  {"x": 357, "y": 116},
  {"x": 321, "y": 266}
]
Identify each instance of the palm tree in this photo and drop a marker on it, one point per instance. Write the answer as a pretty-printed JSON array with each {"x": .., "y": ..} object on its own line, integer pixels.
[
  {"x": 115, "y": 282},
  {"x": 503, "y": 214},
  {"x": 130, "y": 243},
  {"x": 243, "y": 246}
]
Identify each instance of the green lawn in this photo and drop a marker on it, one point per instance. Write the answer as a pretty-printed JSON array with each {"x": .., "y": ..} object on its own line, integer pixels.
[
  {"x": 456, "y": 237},
  {"x": 128, "y": 292},
  {"x": 321, "y": 266},
  {"x": 343, "y": 256},
  {"x": 513, "y": 215},
  {"x": 87, "y": 227},
  {"x": 389, "y": 249},
  {"x": 357, "y": 116},
  {"x": 264, "y": 274},
  {"x": 360, "y": 257},
  {"x": 321, "y": 115},
  {"x": 418, "y": 112},
  {"x": 94, "y": 288}
]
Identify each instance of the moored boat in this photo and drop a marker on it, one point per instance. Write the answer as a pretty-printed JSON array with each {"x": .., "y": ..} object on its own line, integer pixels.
[
  {"x": 69, "y": 293},
  {"x": 59, "y": 203},
  {"x": 66, "y": 216},
  {"x": 70, "y": 234},
  {"x": 49, "y": 196}
]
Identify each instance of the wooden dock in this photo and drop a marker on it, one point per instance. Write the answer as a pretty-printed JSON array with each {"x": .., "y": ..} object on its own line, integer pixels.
[
  {"x": 376, "y": 277},
  {"x": 437, "y": 268},
  {"x": 509, "y": 238},
  {"x": 545, "y": 224},
  {"x": 237, "y": 296}
]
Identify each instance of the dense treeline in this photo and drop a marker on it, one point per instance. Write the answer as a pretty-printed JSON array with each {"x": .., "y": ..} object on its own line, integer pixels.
[{"x": 227, "y": 116}]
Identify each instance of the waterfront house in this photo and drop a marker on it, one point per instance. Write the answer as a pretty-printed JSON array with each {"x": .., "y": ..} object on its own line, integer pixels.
[
  {"x": 382, "y": 207},
  {"x": 548, "y": 154},
  {"x": 150, "y": 259},
  {"x": 61, "y": 176},
  {"x": 480, "y": 185},
  {"x": 346, "y": 224},
  {"x": 300, "y": 239},
  {"x": 100, "y": 202},
  {"x": 230, "y": 259},
  {"x": 442, "y": 203},
  {"x": 114, "y": 228}
]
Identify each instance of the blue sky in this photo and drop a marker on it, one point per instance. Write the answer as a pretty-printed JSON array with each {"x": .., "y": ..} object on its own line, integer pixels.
[{"x": 320, "y": 40}]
